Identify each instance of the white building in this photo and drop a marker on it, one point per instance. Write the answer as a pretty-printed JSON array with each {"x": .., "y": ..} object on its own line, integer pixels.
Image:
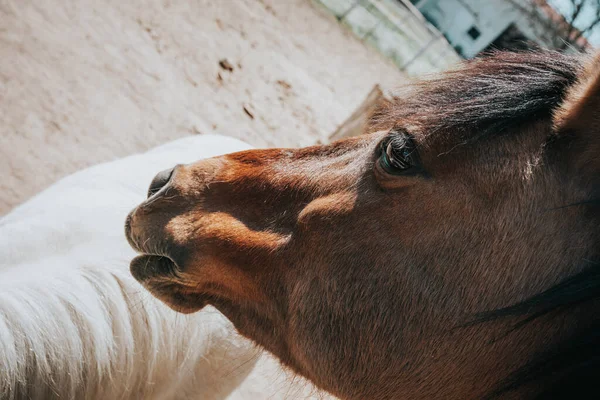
[{"x": 472, "y": 26}]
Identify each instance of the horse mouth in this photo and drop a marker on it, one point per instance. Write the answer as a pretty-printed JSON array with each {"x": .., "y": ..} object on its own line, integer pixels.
[
  {"x": 131, "y": 238},
  {"x": 158, "y": 272},
  {"x": 143, "y": 243}
]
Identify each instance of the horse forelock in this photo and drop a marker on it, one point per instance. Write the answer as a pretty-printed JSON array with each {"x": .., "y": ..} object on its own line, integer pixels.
[{"x": 484, "y": 95}]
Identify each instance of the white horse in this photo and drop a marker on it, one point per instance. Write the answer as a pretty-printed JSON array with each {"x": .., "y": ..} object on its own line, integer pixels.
[{"x": 75, "y": 325}]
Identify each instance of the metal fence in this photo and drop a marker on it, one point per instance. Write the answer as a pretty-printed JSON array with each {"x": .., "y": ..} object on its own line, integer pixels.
[{"x": 398, "y": 30}]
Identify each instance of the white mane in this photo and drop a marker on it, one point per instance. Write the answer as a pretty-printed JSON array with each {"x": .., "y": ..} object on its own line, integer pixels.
[{"x": 75, "y": 325}]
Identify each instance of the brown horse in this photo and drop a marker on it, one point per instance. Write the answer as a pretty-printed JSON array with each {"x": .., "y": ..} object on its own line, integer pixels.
[{"x": 450, "y": 254}]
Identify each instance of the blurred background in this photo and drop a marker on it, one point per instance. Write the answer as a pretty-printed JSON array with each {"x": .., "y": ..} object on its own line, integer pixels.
[{"x": 82, "y": 82}]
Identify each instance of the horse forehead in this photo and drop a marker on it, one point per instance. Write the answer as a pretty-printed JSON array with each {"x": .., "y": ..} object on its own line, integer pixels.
[{"x": 515, "y": 152}]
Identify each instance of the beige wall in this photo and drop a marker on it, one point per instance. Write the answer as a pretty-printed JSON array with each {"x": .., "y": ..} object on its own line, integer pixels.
[{"x": 83, "y": 82}]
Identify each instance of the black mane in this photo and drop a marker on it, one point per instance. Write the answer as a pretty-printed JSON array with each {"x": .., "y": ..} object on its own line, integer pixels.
[{"x": 572, "y": 367}]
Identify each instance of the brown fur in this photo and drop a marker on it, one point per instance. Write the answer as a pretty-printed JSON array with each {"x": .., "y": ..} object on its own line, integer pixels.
[{"x": 365, "y": 282}]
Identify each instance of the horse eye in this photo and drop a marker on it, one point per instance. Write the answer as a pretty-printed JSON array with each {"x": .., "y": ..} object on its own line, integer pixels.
[{"x": 396, "y": 156}]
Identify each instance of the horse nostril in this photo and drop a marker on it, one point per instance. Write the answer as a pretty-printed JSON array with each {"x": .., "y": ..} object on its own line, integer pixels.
[{"x": 159, "y": 181}]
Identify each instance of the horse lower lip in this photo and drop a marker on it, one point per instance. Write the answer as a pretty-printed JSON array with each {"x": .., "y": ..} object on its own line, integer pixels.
[{"x": 147, "y": 266}]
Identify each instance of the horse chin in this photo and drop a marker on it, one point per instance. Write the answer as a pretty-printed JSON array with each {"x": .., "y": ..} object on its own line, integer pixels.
[{"x": 158, "y": 274}]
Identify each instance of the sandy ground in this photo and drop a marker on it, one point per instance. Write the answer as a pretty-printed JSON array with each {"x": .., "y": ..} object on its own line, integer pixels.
[{"x": 83, "y": 82}]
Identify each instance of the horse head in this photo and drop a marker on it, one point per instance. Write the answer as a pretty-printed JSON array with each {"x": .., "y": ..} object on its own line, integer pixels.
[{"x": 432, "y": 257}]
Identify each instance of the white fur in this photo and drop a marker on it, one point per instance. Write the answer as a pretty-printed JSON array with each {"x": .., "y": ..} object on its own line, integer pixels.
[{"x": 75, "y": 325}]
